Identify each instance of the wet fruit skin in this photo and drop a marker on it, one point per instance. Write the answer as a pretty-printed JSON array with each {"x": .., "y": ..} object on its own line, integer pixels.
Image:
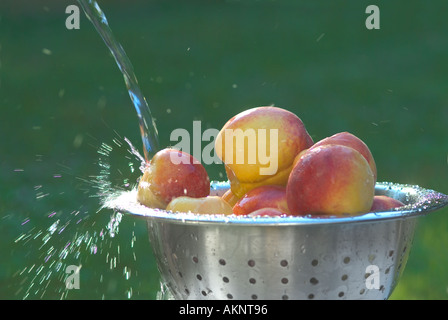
[
  {"x": 384, "y": 203},
  {"x": 170, "y": 174},
  {"x": 205, "y": 205},
  {"x": 262, "y": 197},
  {"x": 335, "y": 176},
  {"x": 330, "y": 180},
  {"x": 292, "y": 138},
  {"x": 350, "y": 140},
  {"x": 230, "y": 198},
  {"x": 267, "y": 212}
]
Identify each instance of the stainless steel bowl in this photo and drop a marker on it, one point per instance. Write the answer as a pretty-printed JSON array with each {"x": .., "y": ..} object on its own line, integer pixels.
[{"x": 226, "y": 257}]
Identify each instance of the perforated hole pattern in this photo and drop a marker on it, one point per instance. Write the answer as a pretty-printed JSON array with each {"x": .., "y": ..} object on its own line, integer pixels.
[{"x": 312, "y": 285}]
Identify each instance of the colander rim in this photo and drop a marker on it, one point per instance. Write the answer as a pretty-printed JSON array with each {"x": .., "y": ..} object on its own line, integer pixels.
[{"x": 418, "y": 201}]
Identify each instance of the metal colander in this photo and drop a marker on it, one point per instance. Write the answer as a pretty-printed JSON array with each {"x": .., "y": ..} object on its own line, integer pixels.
[{"x": 223, "y": 257}]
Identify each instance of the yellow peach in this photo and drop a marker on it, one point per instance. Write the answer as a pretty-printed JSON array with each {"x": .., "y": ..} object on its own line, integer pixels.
[
  {"x": 230, "y": 198},
  {"x": 258, "y": 147},
  {"x": 205, "y": 205},
  {"x": 239, "y": 188}
]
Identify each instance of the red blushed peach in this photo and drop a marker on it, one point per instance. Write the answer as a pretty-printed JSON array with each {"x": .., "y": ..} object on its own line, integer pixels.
[
  {"x": 172, "y": 173},
  {"x": 330, "y": 180},
  {"x": 258, "y": 147},
  {"x": 350, "y": 140},
  {"x": 262, "y": 197},
  {"x": 384, "y": 203}
]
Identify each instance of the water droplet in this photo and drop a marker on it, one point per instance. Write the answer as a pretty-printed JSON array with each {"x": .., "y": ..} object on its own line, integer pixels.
[{"x": 47, "y": 51}]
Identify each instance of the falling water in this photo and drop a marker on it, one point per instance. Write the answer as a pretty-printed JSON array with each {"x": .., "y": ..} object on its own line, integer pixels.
[
  {"x": 147, "y": 125},
  {"x": 83, "y": 235}
]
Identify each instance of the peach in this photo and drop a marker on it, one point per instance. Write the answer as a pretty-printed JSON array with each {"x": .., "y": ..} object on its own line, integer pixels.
[
  {"x": 330, "y": 180},
  {"x": 205, "y": 205},
  {"x": 239, "y": 188},
  {"x": 258, "y": 147},
  {"x": 350, "y": 140},
  {"x": 230, "y": 198},
  {"x": 172, "y": 173},
  {"x": 384, "y": 203},
  {"x": 267, "y": 212},
  {"x": 262, "y": 197}
]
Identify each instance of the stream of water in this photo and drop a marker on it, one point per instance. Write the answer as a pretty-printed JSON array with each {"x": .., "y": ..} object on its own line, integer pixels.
[
  {"x": 148, "y": 129},
  {"x": 89, "y": 234}
]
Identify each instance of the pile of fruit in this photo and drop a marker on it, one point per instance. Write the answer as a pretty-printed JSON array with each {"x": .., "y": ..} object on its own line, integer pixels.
[{"x": 335, "y": 176}]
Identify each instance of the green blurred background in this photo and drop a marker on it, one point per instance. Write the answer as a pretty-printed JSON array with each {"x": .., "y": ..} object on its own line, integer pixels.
[{"x": 62, "y": 96}]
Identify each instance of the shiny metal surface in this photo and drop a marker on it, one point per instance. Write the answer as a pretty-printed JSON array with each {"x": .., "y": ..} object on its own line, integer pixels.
[{"x": 217, "y": 257}]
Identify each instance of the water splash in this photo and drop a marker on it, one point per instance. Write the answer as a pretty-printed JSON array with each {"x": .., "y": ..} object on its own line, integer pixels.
[
  {"x": 81, "y": 235},
  {"x": 87, "y": 237}
]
